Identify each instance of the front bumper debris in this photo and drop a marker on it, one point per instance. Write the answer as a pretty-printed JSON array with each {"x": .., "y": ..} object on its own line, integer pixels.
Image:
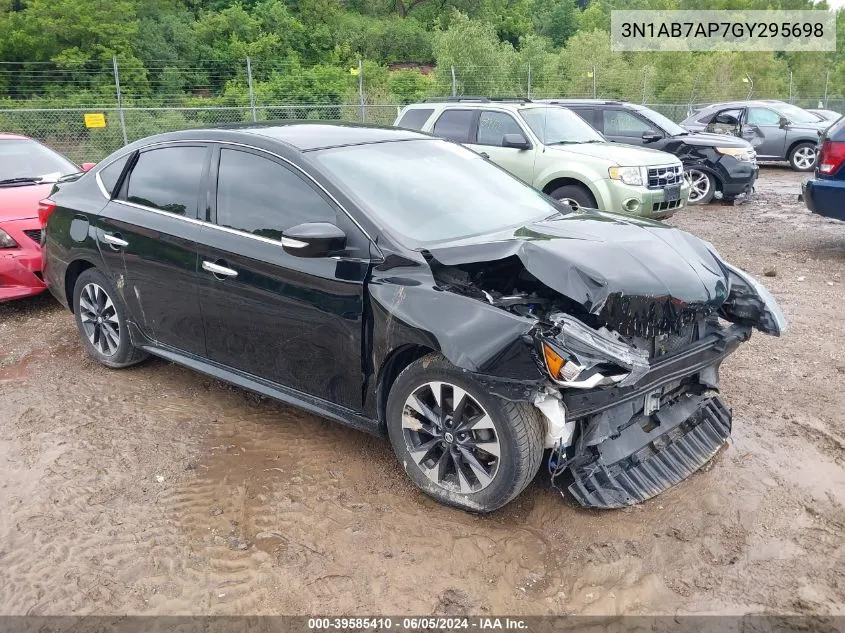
[{"x": 653, "y": 454}]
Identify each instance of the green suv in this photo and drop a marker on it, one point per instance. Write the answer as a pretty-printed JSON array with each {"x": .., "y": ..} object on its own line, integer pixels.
[{"x": 557, "y": 152}]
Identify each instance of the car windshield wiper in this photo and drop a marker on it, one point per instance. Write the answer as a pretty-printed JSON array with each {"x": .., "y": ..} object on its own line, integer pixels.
[{"x": 23, "y": 179}]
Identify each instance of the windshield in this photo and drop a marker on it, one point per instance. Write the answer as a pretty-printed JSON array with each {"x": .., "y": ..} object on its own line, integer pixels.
[
  {"x": 554, "y": 125},
  {"x": 797, "y": 115},
  {"x": 431, "y": 190},
  {"x": 661, "y": 121},
  {"x": 26, "y": 159}
]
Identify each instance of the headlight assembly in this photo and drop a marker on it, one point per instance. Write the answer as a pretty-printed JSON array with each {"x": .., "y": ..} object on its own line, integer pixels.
[
  {"x": 6, "y": 240},
  {"x": 628, "y": 175},
  {"x": 750, "y": 302},
  {"x": 583, "y": 358},
  {"x": 740, "y": 153}
]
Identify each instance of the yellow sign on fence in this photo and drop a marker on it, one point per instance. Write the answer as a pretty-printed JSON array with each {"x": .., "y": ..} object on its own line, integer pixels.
[{"x": 95, "y": 119}]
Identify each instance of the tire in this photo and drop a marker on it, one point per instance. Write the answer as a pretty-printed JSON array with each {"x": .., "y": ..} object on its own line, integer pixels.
[
  {"x": 702, "y": 187},
  {"x": 803, "y": 157},
  {"x": 447, "y": 449},
  {"x": 100, "y": 318},
  {"x": 576, "y": 195}
]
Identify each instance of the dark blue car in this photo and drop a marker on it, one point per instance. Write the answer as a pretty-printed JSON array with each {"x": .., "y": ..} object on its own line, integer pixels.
[{"x": 825, "y": 194}]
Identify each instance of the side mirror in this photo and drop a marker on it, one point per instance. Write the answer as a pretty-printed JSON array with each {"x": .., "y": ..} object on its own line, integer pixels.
[
  {"x": 783, "y": 122},
  {"x": 515, "y": 141},
  {"x": 88, "y": 166},
  {"x": 313, "y": 239},
  {"x": 650, "y": 136}
]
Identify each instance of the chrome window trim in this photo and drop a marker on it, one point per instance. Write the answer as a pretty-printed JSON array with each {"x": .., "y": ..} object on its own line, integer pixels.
[
  {"x": 225, "y": 228},
  {"x": 100, "y": 168}
]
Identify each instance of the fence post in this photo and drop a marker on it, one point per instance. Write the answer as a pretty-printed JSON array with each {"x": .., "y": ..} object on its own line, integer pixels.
[
  {"x": 251, "y": 91},
  {"x": 645, "y": 83},
  {"x": 790, "y": 86},
  {"x": 529, "y": 80},
  {"x": 361, "y": 90},
  {"x": 826, "y": 79},
  {"x": 594, "y": 81},
  {"x": 119, "y": 100},
  {"x": 454, "y": 86}
]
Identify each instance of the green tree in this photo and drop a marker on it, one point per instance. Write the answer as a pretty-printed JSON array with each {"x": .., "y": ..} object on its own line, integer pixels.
[{"x": 556, "y": 19}]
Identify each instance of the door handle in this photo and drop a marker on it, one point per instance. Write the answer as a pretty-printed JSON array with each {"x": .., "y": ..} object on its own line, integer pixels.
[
  {"x": 484, "y": 155},
  {"x": 115, "y": 240},
  {"x": 218, "y": 270}
]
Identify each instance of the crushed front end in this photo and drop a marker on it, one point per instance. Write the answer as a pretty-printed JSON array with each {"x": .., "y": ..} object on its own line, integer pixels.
[
  {"x": 644, "y": 402},
  {"x": 646, "y": 414},
  {"x": 630, "y": 399}
]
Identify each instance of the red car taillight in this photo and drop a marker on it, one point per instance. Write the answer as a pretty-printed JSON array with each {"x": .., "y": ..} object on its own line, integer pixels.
[
  {"x": 831, "y": 157},
  {"x": 45, "y": 208}
]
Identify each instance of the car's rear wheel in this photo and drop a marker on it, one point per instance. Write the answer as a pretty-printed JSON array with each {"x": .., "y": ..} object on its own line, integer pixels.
[
  {"x": 803, "y": 157},
  {"x": 100, "y": 317},
  {"x": 702, "y": 186},
  {"x": 576, "y": 196},
  {"x": 458, "y": 443}
]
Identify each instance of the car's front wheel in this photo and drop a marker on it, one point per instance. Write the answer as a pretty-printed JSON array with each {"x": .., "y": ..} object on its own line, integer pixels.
[
  {"x": 803, "y": 157},
  {"x": 576, "y": 196},
  {"x": 460, "y": 444},
  {"x": 101, "y": 319},
  {"x": 702, "y": 187}
]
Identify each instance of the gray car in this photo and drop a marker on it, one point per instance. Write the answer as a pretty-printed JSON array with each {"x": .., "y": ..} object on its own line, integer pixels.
[{"x": 777, "y": 130}]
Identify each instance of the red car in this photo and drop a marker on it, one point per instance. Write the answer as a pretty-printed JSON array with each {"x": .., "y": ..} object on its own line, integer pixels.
[{"x": 28, "y": 170}]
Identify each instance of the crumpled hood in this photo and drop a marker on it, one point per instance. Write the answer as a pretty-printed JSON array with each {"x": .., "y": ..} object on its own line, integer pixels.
[{"x": 592, "y": 257}]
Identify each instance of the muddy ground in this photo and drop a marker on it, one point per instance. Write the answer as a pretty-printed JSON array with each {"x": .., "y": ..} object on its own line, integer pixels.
[{"x": 159, "y": 490}]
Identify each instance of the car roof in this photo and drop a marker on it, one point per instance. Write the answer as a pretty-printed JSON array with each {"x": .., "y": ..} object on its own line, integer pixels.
[
  {"x": 477, "y": 102},
  {"x": 9, "y": 136},
  {"x": 298, "y": 135},
  {"x": 742, "y": 104},
  {"x": 566, "y": 101}
]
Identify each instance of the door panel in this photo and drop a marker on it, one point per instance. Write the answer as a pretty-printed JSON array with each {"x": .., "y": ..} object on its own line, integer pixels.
[
  {"x": 761, "y": 128},
  {"x": 487, "y": 140},
  {"x": 152, "y": 224},
  {"x": 160, "y": 263},
  {"x": 292, "y": 320}
]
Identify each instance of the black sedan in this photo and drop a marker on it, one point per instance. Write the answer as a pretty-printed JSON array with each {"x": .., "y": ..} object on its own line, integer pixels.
[{"x": 405, "y": 286}]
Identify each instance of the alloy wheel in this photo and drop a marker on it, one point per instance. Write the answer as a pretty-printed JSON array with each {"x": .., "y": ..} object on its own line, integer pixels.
[
  {"x": 699, "y": 185},
  {"x": 451, "y": 437},
  {"x": 99, "y": 319},
  {"x": 573, "y": 204},
  {"x": 805, "y": 157}
]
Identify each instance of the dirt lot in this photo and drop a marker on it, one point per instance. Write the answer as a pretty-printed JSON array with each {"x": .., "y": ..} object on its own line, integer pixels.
[{"x": 158, "y": 490}]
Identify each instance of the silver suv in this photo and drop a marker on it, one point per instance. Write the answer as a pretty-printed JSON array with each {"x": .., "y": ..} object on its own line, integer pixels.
[
  {"x": 777, "y": 130},
  {"x": 557, "y": 152}
]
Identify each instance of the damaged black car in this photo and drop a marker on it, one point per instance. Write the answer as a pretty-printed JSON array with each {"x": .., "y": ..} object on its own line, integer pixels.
[{"x": 405, "y": 286}]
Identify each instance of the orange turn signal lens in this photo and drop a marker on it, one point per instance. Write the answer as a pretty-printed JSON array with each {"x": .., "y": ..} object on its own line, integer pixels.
[{"x": 554, "y": 362}]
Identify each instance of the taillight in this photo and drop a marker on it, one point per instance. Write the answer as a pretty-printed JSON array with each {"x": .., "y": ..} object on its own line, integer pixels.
[
  {"x": 45, "y": 208},
  {"x": 831, "y": 157}
]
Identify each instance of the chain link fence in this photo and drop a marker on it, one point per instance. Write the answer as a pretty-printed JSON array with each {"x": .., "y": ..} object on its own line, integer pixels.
[{"x": 49, "y": 102}]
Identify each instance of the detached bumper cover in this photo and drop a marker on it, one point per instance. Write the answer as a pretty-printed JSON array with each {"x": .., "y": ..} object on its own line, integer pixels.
[{"x": 647, "y": 457}]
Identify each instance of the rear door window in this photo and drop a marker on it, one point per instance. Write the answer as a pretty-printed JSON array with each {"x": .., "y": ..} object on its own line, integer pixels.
[
  {"x": 167, "y": 179},
  {"x": 415, "y": 118},
  {"x": 455, "y": 125}
]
